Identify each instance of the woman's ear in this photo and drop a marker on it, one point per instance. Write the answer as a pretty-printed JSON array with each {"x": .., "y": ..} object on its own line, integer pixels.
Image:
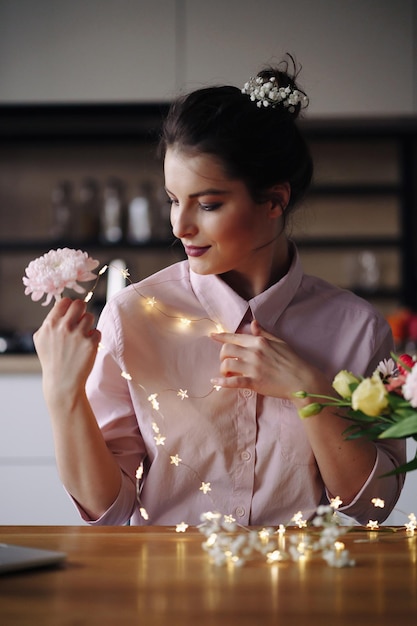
[{"x": 279, "y": 197}]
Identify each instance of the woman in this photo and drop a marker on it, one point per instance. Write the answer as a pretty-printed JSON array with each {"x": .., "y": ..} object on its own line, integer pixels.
[{"x": 195, "y": 381}]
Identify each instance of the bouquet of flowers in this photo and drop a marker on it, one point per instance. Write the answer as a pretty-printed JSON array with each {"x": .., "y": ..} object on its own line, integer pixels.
[{"x": 382, "y": 406}]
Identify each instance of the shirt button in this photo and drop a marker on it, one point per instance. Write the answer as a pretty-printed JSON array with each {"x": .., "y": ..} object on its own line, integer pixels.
[
  {"x": 240, "y": 511},
  {"x": 245, "y": 456},
  {"x": 247, "y": 393}
]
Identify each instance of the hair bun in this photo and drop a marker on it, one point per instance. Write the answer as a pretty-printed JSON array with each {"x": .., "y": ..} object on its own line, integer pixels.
[{"x": 276, "y": 88}]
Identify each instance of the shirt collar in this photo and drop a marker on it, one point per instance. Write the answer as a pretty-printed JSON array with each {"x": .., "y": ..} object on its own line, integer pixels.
[{"x": 226, "y": 307}]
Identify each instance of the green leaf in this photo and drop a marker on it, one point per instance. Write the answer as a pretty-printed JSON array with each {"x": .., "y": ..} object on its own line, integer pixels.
[
  {"x": 404, "y": 428},
  {"x": 396, "y": 402}
]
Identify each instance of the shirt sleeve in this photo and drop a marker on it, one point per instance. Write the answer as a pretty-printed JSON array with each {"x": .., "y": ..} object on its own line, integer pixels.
[
  {"x": 390, "y": 453},
  {"x": 109, "y": 395},
  {"x": 366, "y": 505}
]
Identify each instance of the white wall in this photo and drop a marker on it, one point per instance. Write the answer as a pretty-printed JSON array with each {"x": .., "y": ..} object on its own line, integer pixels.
[{"x": 358, "y": 57}]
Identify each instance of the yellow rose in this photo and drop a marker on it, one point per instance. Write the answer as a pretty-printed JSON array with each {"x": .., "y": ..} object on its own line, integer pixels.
[
  {"x": 370, "y": 396},
  {"x": 341, "y": 383}
]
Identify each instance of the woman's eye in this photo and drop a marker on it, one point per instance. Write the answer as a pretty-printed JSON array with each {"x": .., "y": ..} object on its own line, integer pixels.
[{"x": 210, "y": 206}]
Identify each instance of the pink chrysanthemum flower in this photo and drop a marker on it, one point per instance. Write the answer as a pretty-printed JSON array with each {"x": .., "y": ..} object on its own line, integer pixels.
[
  {"x": 410, "y": 387},
  {"x": 57, "y": 270}
]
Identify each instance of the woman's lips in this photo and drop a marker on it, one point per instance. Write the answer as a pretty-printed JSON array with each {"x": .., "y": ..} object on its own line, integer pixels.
[{"x": 195, "y": 250}]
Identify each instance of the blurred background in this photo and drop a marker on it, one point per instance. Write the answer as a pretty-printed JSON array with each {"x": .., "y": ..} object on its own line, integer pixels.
[{"x": 84, "y": 86}]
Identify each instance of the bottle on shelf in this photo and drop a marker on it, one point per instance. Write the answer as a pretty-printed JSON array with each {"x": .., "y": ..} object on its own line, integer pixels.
[
  {"x": 88, "y": 210},
  {"x": 112, "y": 213},
  {"x": 139, "y": 219},
  {"x": 62, "y": 209}
]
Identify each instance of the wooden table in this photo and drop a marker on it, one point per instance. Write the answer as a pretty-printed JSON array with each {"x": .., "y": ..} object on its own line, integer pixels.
[{"x": 155, "y": 576}]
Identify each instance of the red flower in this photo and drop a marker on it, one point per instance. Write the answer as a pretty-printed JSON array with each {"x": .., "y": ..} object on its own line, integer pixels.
[{"x": 405, "y": 363}]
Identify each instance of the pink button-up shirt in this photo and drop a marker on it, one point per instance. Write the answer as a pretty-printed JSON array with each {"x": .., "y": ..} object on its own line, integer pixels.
[{"x": 232, "y": 451}]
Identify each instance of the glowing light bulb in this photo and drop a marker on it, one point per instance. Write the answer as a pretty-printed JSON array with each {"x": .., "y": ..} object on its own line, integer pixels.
[
  {"x": 144, "y": 513},
  {"x": 298, "y": 520},
  {"x": 372, "y": 525},
  {"x": 153, "y": 400},
  {"x": 181, "y": 527},
  {"x": 264, "y": 535},
  {"x": 274, "y": 557},
  {"x": 377, "y": 502},
  {"x": 336, "y": 502}
]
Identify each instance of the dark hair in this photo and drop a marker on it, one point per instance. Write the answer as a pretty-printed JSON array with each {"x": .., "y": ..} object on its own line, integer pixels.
[{"x": 261, "y": 146}]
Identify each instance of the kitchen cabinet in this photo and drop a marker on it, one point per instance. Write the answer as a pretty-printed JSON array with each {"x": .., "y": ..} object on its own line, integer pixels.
[
  {"x": 30, "y": 489},
  {"x": 358, "y": 227},
  {"x": 43, "y": 145},
  {"x": 361, "y": 209}
]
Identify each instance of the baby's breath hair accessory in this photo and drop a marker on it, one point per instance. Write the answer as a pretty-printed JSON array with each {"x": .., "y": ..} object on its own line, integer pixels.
[{"x": 265, "y": 92}]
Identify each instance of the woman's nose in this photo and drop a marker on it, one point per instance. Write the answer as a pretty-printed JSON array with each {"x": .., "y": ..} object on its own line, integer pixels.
[{"x": 183, "y": 224}]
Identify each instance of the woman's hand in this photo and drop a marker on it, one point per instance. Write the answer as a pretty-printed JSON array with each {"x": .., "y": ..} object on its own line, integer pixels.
[
  {"x": 265, "y": 364},
  {"x": 67, "y": 344}
]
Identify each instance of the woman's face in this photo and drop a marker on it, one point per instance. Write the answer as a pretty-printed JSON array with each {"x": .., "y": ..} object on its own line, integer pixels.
[{"x": 220, "y": 226}]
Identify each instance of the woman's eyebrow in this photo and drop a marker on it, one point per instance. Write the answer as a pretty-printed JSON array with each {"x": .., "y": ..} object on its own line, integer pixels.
[{"x": 204, "y": 192}]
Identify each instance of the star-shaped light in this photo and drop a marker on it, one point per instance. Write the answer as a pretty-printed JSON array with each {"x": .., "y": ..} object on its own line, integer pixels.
[
  {"x": 182, "y": 393},
  {"x": 175, "y": 460},
  {"x": 185, "y": 321},
  {"x": 217, "y": 387},
  {"x": 298, "y": 520},
  {"x": 160, "y": 440},
  {"x": 336, "y": 502},
  {"x": 153, "y": 400},
  {"x": 264, "y": 534},
  {"x": 229, "y": 519},
  {"x": 377, "y": 502},
  {"x": 274, "y": 557},
  {"x": 126, "y": 375},
  {"x": 372, "y": 525},
  {"x": 411, "y": 526},
  {"x": 151, "y": 302},
  {"x": 125, "y": 272},
  {"x": 205, "y": 487},
  {"x": 181, "y": 528},
  {"x": 144, "y": 513}
]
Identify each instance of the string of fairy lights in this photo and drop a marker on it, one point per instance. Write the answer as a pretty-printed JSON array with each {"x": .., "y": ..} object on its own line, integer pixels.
[
  {"x": 226, "y": 541},
  {"x": 221, "y": 530}
]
